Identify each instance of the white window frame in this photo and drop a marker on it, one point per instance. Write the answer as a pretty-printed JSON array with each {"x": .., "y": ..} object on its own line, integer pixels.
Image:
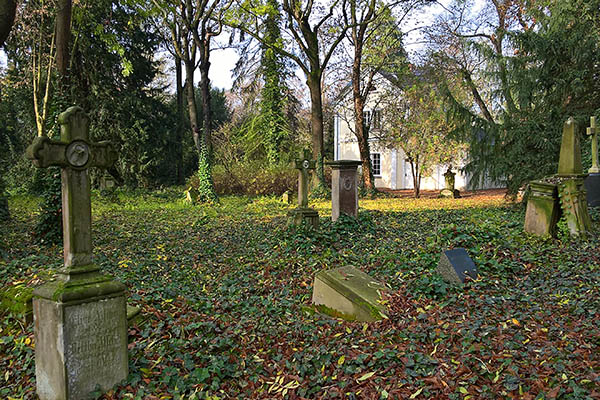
[{"x": 373, "y": 164}]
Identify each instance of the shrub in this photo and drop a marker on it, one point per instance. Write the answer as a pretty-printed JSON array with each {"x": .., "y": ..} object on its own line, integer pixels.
[{"x": 254, "y": 179}]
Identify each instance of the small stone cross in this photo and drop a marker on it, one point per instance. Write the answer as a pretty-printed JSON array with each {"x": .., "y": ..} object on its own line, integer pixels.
[
  {"x": 303, "y": 166},
  {"x": 591, "y": 131},
  {"x": 74, "y": 153}
]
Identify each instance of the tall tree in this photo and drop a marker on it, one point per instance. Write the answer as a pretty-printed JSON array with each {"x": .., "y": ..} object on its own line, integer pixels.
[
  {"x": 194, "y": 24},
  {"x": 308, "y": 28}
]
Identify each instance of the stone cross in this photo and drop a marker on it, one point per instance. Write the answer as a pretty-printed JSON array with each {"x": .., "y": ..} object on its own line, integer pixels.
[
  {"x": 591, "y": 131},
  {"x": 80, "y": 318},
  {"x": 74, "y": 153},
  {"x": 304, "y": 166}
]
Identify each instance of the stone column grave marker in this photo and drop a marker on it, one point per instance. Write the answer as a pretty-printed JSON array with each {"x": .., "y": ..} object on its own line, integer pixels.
[
  {"x": 303, "y": 212},
  {"x": 80, "y": 322},
  {"x": 344, "y": 188},
  {"x": 592, "y": 182}
]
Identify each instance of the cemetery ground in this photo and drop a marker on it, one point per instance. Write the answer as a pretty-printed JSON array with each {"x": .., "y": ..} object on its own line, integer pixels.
[{"x": 226, "y": 289}]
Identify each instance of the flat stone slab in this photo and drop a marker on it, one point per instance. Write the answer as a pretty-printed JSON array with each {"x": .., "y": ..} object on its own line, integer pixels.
[
  {"x": 455, "y": 265},
  {"x": 349, "y": 293}
]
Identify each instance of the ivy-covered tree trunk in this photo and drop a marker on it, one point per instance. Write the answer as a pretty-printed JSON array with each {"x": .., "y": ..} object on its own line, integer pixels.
[
  {"x": 179, "y": 179},
  {"x": 4, "y": 212},
  {"x": 272, "y": 104}
]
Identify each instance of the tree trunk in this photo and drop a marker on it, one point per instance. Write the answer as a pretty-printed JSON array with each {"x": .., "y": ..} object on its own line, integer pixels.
[
  {"x": 316, "y": 124},
  {"x": 63, "y": 36},
  {"x": 414, "y": 166},
  {"x": 180, "y": 123},
  {"x": 191, "y": 103},
  {"x": 8, "y": 9},
  {"x": 206, "y": 106}
]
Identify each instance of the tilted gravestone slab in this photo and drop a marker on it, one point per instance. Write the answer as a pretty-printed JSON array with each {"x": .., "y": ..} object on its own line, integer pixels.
[
  {"x": 455, "y": 265},
  {"x": 80, "y": 317},
  {"x": 349, "y": 293}
]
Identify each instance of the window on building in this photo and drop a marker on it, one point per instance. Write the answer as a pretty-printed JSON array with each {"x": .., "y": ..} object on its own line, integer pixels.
[
  {"x": 376, "y": 163},
  {"x": 366, "y": 118},
  {"x": 376, "y": 122}
]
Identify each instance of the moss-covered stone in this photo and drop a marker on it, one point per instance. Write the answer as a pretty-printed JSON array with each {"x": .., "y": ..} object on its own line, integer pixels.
[
  {"x": 350, "y": 294},
  {"x": 543, "y": 209}
]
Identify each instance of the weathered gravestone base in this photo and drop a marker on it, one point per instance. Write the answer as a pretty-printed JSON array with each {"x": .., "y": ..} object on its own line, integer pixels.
[
  {"x": 344, "y": 188},
  {"x": 309, "y": 216},
  {"x": 592, "y": 187},
  {"x": 455, "y": 265},
  {"x": 574, "y": 206},
  {"x": 349, "y": 293},
  {"x": 450, "y": 194},
  {"x": 81, "y": 338},
  {"x": 543, "y": 209},
  {"x": 80, "y": 317}
]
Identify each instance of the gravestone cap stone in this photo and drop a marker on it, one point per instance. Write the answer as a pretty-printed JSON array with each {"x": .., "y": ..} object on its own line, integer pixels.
[
  {"x": 455, "y": 265},
  {"x": 349, "y": 293}
]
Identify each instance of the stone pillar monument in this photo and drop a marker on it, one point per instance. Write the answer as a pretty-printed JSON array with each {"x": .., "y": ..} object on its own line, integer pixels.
[
  {"x": 80, "y": 315},
  {"x": 303, "y": 212},
  {"x": 543, "y": 205},
  {"x": 592, "y": 181},
  {"x": 344, "y": 188}
]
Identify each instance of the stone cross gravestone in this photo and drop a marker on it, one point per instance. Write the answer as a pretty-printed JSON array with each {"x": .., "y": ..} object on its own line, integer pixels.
[
  {"x": 349, "y": 293},
  {"x": 455, "y": 265},
  {"x": 80, "y": 322},
  {"x": 344, "y": 188},
  {"x": 592, "y": 181},
  {"x": 303, "y": 212}
]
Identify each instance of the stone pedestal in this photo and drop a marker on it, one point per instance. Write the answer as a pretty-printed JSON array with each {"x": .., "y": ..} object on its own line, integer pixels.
[
  {"x": 574, "y": 206},
  {"x": 592, "y": 187},
  {"x": 81, "y": 337},
  {"x": 348, "y": 293},
  {"x": 344, "y": 189},
  {"x": 543, "y": 209},
  {"x": 307, "y": 215}
]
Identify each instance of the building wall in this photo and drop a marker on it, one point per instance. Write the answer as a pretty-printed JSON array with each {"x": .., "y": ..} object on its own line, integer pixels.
[{"x": 395, "y": 170}]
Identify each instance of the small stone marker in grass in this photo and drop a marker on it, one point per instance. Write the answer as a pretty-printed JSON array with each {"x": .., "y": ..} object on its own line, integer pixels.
[
  {"x": 303, "y": 212},
  {"x": 349, "y": 293},
  {"x": 455, "y": 265},
  {"x": 449, "y": 192},
  {"x": 80, "y": 319},
  {"x": 344, "y": 190}
]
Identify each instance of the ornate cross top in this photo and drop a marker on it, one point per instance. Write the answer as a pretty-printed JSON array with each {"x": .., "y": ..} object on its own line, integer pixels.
[
  {"x": 304, "y": 165},
  {"x": 74, "y": 153},
  {"x": 591, "y": 131}
]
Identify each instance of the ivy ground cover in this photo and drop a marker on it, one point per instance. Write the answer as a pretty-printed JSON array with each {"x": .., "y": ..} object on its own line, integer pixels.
[{"x": 226, "y": 292}]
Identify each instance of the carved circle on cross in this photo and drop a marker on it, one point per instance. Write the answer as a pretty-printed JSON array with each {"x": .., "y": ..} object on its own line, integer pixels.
[
  {"x": 305, "y": 164},
  {"x": 78, "y": 153}
]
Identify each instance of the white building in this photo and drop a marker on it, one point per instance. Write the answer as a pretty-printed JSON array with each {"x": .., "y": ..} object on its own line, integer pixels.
[{"x": 391, "y": 169}]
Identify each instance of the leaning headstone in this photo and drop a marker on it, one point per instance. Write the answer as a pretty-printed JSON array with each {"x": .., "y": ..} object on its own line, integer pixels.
[
  {"x": 344, "y": 188},
  {"x": 449, "y": 191},
  {"x": 455, "y": 265},
  {"x": 303, "y": 213},
  {"x": 80, "y": 322},
  {"x": 349, "y": 293},
  {"x": 543, "y": 209},
  {"x": 571, "y": 190},
  {"x": 592, "y": 181}
]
